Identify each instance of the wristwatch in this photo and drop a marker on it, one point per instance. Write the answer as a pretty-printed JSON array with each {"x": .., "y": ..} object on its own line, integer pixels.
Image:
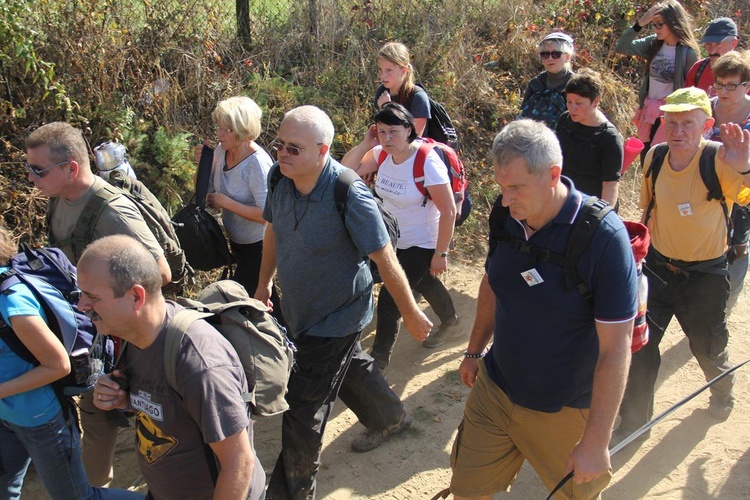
[{"x": 442, "y": 254}]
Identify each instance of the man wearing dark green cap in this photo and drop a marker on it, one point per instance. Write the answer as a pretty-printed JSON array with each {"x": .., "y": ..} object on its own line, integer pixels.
[{"x": 687, "y": 260}]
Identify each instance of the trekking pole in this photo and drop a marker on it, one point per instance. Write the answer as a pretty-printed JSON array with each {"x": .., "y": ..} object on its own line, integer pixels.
[{"x": 622, "y": 444}]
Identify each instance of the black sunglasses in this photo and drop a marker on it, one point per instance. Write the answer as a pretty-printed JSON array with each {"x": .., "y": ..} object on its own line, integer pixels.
[
  {"x": 38, "y": 171},
  {"x": 556, "y": 54}
]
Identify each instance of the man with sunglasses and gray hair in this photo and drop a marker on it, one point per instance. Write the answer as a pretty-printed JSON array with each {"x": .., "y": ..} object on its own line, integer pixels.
[
  {"x": 321, "y": 259},
  {"x": 58, "y": 163},
  {"x": 720, "y": 37}
]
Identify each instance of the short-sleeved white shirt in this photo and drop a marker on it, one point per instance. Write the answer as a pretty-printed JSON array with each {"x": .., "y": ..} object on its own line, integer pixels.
[{"x": 395, "y": 185}]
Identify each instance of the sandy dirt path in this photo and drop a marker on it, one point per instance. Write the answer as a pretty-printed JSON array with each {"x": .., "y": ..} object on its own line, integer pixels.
[{"x": 689, "y": 456}]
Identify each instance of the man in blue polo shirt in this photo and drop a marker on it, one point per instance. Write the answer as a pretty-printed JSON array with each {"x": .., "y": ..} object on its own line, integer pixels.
[
  {"x": 549, "y": 387},
  {"x": 327, "y": 299}
]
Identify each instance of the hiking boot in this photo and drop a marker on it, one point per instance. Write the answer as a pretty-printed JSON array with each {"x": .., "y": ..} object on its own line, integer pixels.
[
  {"x": 369, "y": 440},
  {"x": 720, "y": 408},
  {"x": 443, "y": 334}
]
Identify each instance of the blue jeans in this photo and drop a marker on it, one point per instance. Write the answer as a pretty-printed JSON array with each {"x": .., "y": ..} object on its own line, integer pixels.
[{"x": 55, "y": 448}]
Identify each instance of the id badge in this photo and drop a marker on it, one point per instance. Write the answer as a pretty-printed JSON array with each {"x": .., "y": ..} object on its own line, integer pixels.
[
  {"x": 532, "y": 277},
  {"x": 685, "y": 209}
]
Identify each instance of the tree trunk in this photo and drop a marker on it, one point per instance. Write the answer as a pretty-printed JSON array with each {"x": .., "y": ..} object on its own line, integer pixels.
[{"x": 243, "y": 22}]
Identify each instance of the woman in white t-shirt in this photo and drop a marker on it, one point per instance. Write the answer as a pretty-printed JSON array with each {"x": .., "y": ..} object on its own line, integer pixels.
[
  {"x": 670, "y": 53},
  {"x": 239, "y": 185},
  {"x": 425, "y": 223}
]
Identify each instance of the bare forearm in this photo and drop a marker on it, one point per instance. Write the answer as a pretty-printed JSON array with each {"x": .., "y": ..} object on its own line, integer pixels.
[
  {"x": 610, "y": 192},
  {"x": 484, "y": 322},
  {"x": 395, "y": 281},
  {"x": 254, "y": 214},
  {"x": 33, "y": 379},
  {"x": 445, "y": 229},
  {"x": 268, "y": 260},
  {"x": 610, "y": 377},
  {"x": 233, "y": 482}
]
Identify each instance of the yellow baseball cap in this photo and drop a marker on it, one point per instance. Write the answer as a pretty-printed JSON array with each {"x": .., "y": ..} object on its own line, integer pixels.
[{"x": 687, "y": 99}]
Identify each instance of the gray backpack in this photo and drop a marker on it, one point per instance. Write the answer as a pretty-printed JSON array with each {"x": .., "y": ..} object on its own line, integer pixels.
[{"x": 266, "y": 354}]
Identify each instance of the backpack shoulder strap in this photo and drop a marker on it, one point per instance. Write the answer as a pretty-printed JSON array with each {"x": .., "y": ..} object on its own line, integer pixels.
[
  {"x": 341, "y": 190},
  {"x": 83, "y": 232},
  {"x": 593, "y": 211},
  {"x": 498, "y": 216},
  {"x": 274, "y": 177},
  {"x": 657, "y": 159},
  {"x": 176, "y": 329},
  {"x": 419, "y": 161},
  {"x": 699, "y": 72},
  {"x": 381, "y": 157},
  {"x": 707, "y": 168}
]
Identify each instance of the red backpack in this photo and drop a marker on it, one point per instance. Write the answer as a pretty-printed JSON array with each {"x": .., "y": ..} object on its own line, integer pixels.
[{"x": 456, "y": 174}]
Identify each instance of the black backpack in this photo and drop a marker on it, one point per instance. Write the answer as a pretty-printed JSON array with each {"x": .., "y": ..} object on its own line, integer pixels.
[
  {"x": 706, "y": 167},
  {"x": 440, "y": 126},
  {"x": 543, "y": 104},
  {"x": 340, "y": 196},
  {"x": 199, "y": 232},
  {"x": 587, "y": 222},
  {"x": 52, "y": 279}
]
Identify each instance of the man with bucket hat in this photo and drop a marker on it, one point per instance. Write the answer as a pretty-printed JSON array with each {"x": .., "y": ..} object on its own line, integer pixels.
[
  {"x": 687, "y": 260},
  {"x": 720, "y": 37}
]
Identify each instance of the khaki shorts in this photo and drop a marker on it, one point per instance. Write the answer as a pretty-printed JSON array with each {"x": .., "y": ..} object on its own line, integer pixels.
[{"x": 495, "y": 436}]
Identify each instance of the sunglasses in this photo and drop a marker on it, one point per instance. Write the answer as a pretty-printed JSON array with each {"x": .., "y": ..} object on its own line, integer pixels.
[
  {"x": 38, "y": 171},
  {"x": 555, "y": 54},
  {"x": 277, "y": 146},
  {"x": 658, "y": 26},
  {"x": 729, "y": 86}
]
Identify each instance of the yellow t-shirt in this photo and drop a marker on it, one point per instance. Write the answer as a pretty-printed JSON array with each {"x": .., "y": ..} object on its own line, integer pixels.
[{"x": 684, "y": 225}]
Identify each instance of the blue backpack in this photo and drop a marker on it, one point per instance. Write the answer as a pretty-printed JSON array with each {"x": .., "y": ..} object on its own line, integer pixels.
[
  {"x": 51, "y": 277},
  {"x": 544, "y": 105}
]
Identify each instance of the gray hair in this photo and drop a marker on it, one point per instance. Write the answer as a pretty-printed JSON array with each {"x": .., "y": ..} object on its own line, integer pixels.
[
  {"x": 129, "y": 262},
  {"x": 533, "y": 141},
  {"x": 316, "y": 119},
  {"x": 64, "y": 141}
]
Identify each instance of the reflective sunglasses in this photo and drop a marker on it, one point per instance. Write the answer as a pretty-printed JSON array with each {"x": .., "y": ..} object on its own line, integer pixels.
[
  {"x": 729, "y": 86},
  {"x": 658, "y": 26},
  {"x": 277, "y": 146},
  {"x": 38, "y": 171},
  {"x": 555, "y": 54}
]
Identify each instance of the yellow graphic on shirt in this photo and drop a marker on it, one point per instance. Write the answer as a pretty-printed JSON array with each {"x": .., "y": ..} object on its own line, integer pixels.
[{"x": 153, "y": 444}]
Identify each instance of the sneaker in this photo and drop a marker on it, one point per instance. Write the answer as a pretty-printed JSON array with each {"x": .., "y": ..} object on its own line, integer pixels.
[
  {"x": 369, "y": 440},
  {"x": 442, "y": 335},
  {"x": 720, "y": 408}
]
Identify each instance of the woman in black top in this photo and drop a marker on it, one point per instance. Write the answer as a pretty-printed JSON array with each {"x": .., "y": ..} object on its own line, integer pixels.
[{"x": 591, "y": 145}]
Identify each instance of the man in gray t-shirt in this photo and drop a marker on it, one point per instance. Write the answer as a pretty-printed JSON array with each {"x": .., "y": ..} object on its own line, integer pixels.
[
  {"x": 181, "y": 435},
  {"x": 327, "y": 298}
]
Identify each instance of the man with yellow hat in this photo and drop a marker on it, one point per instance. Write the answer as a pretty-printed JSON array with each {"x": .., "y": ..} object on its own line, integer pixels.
[{"x": 686, "y": 209}]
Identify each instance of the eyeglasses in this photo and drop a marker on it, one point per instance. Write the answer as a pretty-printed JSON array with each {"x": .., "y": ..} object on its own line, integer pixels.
[
  {"x": 38, "y": 171},
  {"x": 658, "y": 26},
  {"x": 729, "y": 86},
  {"x": 277, "y": 146},
  {"x": 556, "y": 54}
]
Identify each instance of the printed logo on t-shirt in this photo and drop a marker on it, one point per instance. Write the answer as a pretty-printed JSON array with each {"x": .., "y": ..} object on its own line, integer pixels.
[
  {"x": 142, "y": 402},
  {"x": 153, "y": 444},
  {"x": 388, "y": 184}
]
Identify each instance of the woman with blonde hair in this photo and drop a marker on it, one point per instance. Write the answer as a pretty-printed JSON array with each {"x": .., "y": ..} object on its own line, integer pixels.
[
  {"x": 239, "y": 185},
  {"x": 670, "y": 53},
  {"x": 397, "y": 84}
]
